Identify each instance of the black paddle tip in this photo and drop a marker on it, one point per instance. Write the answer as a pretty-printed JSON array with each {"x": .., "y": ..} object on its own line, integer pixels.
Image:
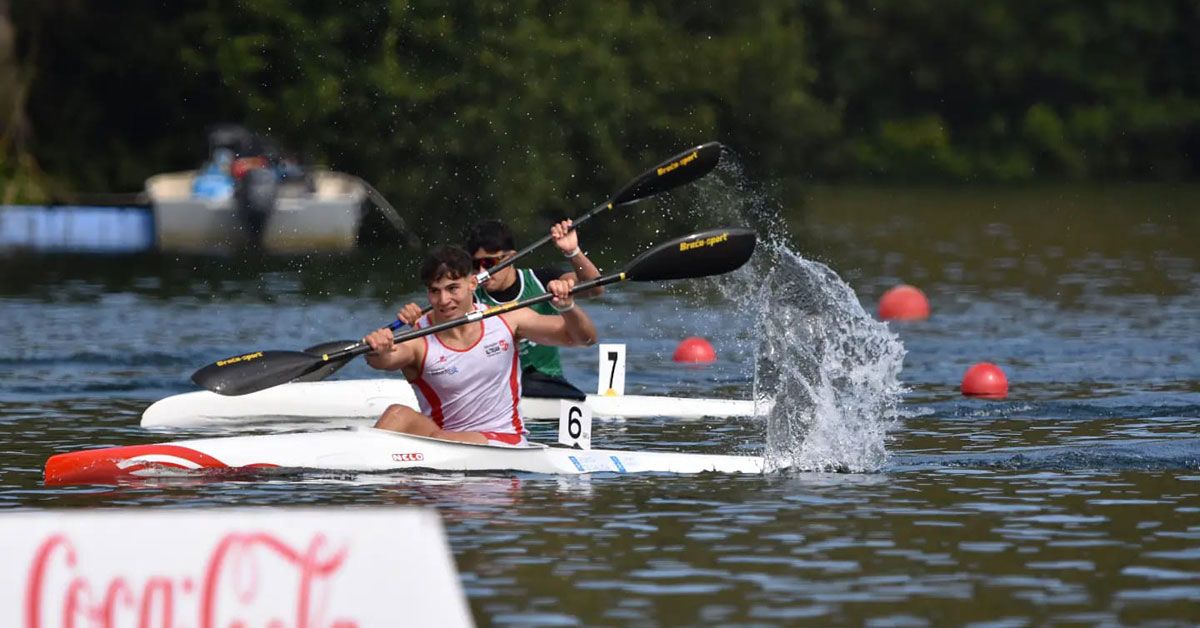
[
  {"x": 678, "y": 170},
  {"x": 700, "y": 254},
  {"x": 252, "y": 372}
]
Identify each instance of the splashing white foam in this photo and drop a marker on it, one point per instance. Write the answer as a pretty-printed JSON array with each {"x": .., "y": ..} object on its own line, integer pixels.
[{"x": 829, "y": 371}]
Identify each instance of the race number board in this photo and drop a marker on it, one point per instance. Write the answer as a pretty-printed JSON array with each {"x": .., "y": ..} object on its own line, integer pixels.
[
  {"x": 611, "y": 379},
  {"x": 575, "y": 424}
]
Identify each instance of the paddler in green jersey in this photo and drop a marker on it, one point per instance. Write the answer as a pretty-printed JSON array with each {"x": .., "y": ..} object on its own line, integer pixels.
[{"x": 491, "y": 242}]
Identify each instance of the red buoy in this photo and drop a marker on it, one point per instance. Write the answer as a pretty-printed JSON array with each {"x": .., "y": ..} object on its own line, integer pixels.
[
  {"x": 696, "y": 350},
  {"x": 985, "y": 380},
  {"x": 903, "y": 303}
]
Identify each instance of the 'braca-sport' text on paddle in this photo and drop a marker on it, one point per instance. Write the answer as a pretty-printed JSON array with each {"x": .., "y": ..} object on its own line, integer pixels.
[{"x": 701, "y": 254}]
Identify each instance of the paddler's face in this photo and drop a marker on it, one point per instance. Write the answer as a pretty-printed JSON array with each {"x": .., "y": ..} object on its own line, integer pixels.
[
  {"x": 452, "y": 297},
  {"x": 485, "y": 260}
]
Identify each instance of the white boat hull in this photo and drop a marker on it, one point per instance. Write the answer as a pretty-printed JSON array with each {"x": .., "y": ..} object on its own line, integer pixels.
[
  {"x": 358, "y": 402},
  {"x": 367, "y": 449},
  {"x": 326, "y": 220}
]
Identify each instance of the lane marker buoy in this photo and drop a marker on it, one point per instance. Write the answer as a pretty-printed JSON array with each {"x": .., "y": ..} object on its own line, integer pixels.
[
  {"x": 985, "y": 380},
  {"x": 695, "y": 350},
  {"x": 903, "y": 303}
]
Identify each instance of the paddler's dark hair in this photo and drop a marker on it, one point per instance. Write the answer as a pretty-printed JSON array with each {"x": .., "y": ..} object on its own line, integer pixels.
[
  {"x": 490, "y": 235},
  {"x": 445, "y": 262}
]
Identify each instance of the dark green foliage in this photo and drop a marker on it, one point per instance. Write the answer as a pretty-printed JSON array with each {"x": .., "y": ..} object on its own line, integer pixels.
[{"x": 528, "y": 109}]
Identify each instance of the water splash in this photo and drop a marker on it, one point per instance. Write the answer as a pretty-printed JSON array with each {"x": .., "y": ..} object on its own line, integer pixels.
[{"x": 828, "y": 371}]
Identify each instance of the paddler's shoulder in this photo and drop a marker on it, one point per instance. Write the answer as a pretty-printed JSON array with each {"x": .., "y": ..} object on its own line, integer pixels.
[{"x": 514, "y": 318}]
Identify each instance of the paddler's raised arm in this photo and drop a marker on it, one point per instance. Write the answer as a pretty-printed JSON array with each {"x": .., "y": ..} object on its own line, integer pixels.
[
  {"x": 567, "y": 241},
  {"x": 571, "y": 327}
]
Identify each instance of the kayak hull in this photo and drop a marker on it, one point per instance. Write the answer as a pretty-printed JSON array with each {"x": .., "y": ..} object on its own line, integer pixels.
[
  {"x": 367, "y": 449},
  {"x": 349, "y": 402}
]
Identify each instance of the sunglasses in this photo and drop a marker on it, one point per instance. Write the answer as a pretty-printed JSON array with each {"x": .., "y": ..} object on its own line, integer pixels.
[{"x": 489, "y": 261}]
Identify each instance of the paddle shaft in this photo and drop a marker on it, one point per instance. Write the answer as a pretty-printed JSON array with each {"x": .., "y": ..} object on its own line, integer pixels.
[
  {"x": 701, "y": 254},
  {"x": 486, "y": 274},
  {"x": 478, "y": 315}
]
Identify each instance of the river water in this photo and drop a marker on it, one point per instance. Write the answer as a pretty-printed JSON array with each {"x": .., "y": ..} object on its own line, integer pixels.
[{"x": 1074, "y": 500}]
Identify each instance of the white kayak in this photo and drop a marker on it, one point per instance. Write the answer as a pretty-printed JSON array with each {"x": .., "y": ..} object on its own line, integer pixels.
[
  {"x": 346, "y": 402},
  {"x": 367, "y": 449}
]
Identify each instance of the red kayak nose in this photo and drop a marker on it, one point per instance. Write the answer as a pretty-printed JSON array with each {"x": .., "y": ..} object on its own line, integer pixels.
[{"x": 106, "y": 466}]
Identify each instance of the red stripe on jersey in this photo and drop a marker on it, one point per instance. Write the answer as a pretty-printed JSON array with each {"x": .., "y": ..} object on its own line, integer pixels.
[
  {"x": 435, "y": 404},
  {"x": 426, "y": 391},
  {"x": 514, "y": 380},
  {"x": 424, "y": 353}
]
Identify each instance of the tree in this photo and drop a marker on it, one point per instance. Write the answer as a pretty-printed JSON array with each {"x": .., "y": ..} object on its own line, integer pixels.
[{"x": 20, "y": 179}]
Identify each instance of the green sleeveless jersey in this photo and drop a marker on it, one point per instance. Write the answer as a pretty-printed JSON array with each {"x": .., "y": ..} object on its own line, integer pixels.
[{"x": 540, "y": 357}]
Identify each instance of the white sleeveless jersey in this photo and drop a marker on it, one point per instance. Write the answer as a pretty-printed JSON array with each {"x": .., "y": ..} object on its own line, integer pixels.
[{"x": 472, "y": 390}]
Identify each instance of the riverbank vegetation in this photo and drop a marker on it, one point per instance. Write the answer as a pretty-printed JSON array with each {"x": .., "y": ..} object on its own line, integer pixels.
[{"x": 527, "y": 107}]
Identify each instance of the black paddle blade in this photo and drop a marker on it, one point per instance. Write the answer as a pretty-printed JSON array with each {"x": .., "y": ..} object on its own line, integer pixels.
[
  {"x": 251, "y": 372},
  {"x": 330, "y": 367},
  {"x": 683, "y": 168},
  {"x": 701, "y": 254}
]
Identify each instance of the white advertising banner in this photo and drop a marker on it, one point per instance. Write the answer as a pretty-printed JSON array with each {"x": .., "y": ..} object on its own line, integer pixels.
[{"x": 307, "y": 568}]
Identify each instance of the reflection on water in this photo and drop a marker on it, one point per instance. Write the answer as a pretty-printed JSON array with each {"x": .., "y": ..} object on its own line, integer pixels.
[
  {"x": 940, "y": 535},
  {"x": 1075, "y": 500}
]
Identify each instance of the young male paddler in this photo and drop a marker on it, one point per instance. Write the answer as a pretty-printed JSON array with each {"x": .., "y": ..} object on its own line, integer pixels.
[
  {"x": 490, "y": 243},
  {"x": 467, "y": 379}
]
